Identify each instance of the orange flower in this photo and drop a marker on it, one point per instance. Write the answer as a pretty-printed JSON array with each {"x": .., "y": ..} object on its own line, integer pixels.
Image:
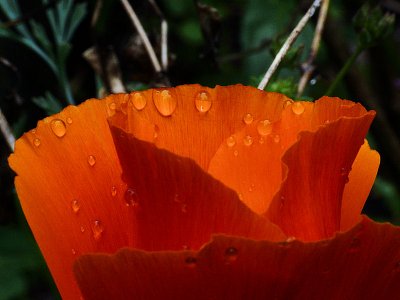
[{"x": 224, "y": 193}]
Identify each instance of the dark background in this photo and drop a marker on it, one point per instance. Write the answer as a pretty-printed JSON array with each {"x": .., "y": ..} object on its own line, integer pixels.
[{"x": 210, "y": 42}]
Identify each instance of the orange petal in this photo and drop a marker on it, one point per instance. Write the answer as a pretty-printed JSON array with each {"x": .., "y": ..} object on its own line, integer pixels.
[
  {"x": 192, "y": 121},
  {"x": 250, "y": 160},
  {"x": 363, "y": 263},
  {"x": 308, "y": 204},
  {"x": 70, "y": 188},
  {"x": 176, "y": 204},
  {"x": 361, "y": 180}
]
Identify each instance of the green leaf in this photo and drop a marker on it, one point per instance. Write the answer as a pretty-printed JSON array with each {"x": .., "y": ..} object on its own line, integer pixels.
[
  {"x": 11, "y": 9},
  {"x": 40, "y": 34},
  {"x": 48, "y": 103},
  {"x": 77, "y": 15}
]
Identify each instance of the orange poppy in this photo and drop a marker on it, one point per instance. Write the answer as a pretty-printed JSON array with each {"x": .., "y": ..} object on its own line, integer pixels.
[{"x": 201, "y": 193}]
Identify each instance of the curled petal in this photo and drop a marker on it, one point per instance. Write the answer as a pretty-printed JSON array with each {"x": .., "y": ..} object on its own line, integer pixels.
[{"x": 363, "y": 263}]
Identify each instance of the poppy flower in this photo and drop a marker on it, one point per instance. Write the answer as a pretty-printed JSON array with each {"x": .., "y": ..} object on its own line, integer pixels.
[{"x": 207, "y": 193}]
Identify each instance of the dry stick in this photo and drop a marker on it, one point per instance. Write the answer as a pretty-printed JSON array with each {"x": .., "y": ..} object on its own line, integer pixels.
[
  {"x": 288, "y": 43},
  {"x": 164, "y": 35},
  {"x": 143, "y": 36},
  {"x": 308, "y": 66},
  {"x": 6, "y": 130}
]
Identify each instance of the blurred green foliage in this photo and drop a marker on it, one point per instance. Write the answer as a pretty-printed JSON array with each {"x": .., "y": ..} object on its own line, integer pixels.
[{"x": 210, "y": 42}]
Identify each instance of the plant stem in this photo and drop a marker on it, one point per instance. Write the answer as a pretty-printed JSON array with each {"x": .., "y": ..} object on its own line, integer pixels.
[{"x": 344, "y": 70}]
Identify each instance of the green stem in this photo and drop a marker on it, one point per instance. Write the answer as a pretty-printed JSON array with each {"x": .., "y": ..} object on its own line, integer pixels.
[{"x": 344, "y": 70}]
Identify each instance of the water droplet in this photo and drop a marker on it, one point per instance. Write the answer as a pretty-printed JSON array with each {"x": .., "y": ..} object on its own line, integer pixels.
[
  {"x": 112, "y": 106},
  {"x": 231, "y": 254},
  {"x": 290, "y": 239},
  {"x": 177, "y": 199},
  {"x": 261, "y": 140},
  {"x": 248, "y": 140},
  {"x": 355, "y": 245},
  {"x": 203, "y": 102},
  {"x": 156, "y": 132},
  {"x": 58, "y": 127},
  {"x": 82, "y": 229},
  {"x": 131, "y": 197},
  {"x": 251, "y": 187},
  {"x": 298, "y": 108},
  {"x": 69, "y": 120},
  {"x": 76, "y": 205},
  {"x": 277, "y": 138},
  {"x": 73, "y": 251},
  {"x": 264, "y": 127},
  {"x": 91, "y": 160},
  {"x": 190, "y": 262},
  {"x": 36, "y": 142},
  {"x": 164, "y": 102},
  {"x": 113, "y": 191},
  {"x": 240, "y": 196},
  {"x": 33, "y": 131},
  {"x": 184, "y": 208},
  {"x": 236, "y": 153},
  {"x": 97, "y": 229},
  {"x": 287, "y": 103},
  {"x": 248, "y": 119},
  {"x": 231, "y": 141},
  {"x": 313, "y": 81},
  {"x": 139, "y": 101}
]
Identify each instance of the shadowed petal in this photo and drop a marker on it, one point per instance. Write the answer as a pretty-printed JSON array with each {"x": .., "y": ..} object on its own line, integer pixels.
[
  {"x": 363, "y": 263},
  {"x": 308, "y": 204},
  {"x": 176, "y": 204}
]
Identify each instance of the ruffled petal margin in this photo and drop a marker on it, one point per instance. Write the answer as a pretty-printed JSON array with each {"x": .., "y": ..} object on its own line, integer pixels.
[{"x": 363, "y": 263}]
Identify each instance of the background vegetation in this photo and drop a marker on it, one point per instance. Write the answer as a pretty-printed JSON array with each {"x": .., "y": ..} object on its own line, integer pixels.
[{"x": 42, "y": 69}]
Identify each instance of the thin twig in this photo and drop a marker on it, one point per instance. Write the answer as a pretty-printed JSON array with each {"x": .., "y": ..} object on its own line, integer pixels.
[
  {"x": 96, "y": 12},
  {"x": 164, "y": 35},
  {"x": 143, "y": 36},
  {"x": 288, "y": 43},
  {"x": 308, "y": 66},
  {"x": 6, "y": 130}
]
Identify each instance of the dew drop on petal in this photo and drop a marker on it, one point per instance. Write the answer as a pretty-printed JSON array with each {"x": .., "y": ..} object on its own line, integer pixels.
[
  {"x": 164, "y": 102},
  {"x": 236, "y": 153},
  {"x": 58, "y": 127},
  {"x": 97, "y": 229},
  {"x": 231, "y": 254},
  {"x": 184, "y": 208},
  {"x": 203, "y": 102},
  {"x": 82, "y": 229},
  {"x": 36, "y": 142},
  {"x": 261, "y": 140},
  {"x": 91, "y": 160},
  {"x": 73, "y": 251},
  {"x": 287, "y": 103},
  {"x": 248, "y": 140},
  {"x": 190, "y": 262},
  {"x": 33, "y": 131},
  {"x": 290, "y": 239},
  {"x": 139, "y": 101},
  {"x": 298, "y": 108},
  {"x": 231, "y": 141},
  {"x": 264, "y": 127},
  {"x": 248, "y": 119},
  {"x": 75, "y": 205},
  {"x": 112, "y": 106},
  {"x": 277, "y": 138},
  {"x": 131, "y": 197},
  {"x": 69, "y": 120},
  {"x": 113, "y": 191}
]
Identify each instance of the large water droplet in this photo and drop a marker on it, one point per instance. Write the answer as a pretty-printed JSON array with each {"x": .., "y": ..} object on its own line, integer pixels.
[
  {"x": 203, "y": 102},
  {"x": 164, "y": 102},
  {"x": 231, "y": 141},
  {"x": 36, "y": 142},
  {"x": 58, "y": 127},
  {"x": 91, "y": 160},
  {"x": 248, "y": 119},
  {"x": 298, "y": 108},
  {"x": 190, "y": 262},
  {"x": 264, "y": 127},
  {"x": 113, "y": 191},
  {"x": 248, "y": 140},
  {"x": 231, "y": 254},
  {"x": 131, "y": 197},
  {"x": 97, "y": 229},
  {"x": 139, "y": 101},
  {"x": 75, "y": 205}
]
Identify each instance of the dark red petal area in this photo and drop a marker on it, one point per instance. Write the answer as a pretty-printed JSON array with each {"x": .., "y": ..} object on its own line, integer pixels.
[
  {"x": 363, "y": 263},
  {"x": 177, "y": 205},
  {"x": 308, "y": 204}
]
